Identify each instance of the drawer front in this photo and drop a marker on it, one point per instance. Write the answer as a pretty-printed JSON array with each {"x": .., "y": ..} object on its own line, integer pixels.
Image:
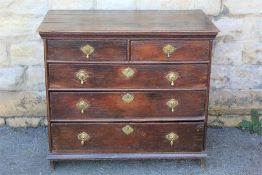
[
  {"x": 87, "y": 50},
  {"x": 128, "y": 76},
  {"x": 127, "y": 138},
  {"x": 169, "y": 50},
  {"x": 86, "y": 106}
]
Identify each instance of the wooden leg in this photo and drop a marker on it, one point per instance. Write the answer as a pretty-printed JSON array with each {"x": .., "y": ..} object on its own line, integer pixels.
[
  {"x": 52, "y": 164},
  {"x": 202, "y": 163}
]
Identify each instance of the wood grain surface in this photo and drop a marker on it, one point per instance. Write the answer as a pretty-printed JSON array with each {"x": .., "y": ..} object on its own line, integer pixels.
[
  {"x": 110, "y": 105},
  {"x": 74, "y": 23},
  {"x": 152, "y": 50},
  {"x": 111, "y": 76},
  {"x": 109, "y": 138},
  {"x": 70, "y": 50}
]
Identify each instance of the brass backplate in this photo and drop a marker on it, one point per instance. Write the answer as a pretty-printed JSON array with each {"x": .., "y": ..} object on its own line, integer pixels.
[
  {"x": 172, "y": 76},
  {"x": 128, "y": 98},
  {"x": 172, "y": 137},
  {"x": 83, "y": 137},
  {"x": 169, "y": 50},
  {"x": 82, "y": 105},
  {"x": 87, "y": 50},
  {"x": 128, "y": 72},
  {"x": 172, "y": 103},
  {"x": 81, "y": 75},
  {"x": 127, "y": 129}
]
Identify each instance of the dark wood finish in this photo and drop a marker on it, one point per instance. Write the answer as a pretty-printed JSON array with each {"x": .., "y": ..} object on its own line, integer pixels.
[
  {"x": 152, "y": 50},
  {"x": 109, "y": 138},
  {"x": 110, "y": 106},
  {"x": 72, "y": 23},
  {"x": 124, "y": 39},
  {"x": 70, "y": 50},
  {"x": 132, "y": 62},
  {"x": 111, "y": 76},
  {"x": 47, "y": 94},
  {"x": 207, "y": 95}
]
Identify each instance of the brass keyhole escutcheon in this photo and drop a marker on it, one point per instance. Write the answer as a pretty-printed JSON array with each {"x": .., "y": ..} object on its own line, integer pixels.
[
  {"x": 128, "y": 72},
  {"x": 81, "y": 75},
  {"x": 127, "y": 129},
  {"x": 82, "y": 105},
  {"x": 128, "y": 98},
  {"x": 172, "y": 77},
  {"x": 172, "y": 103},
  {"x": 172, "y": 137},
  {"x": 83, "y": 137},
  {"x": 87, "y": 50},
  {"x": 169, "y": 50}
]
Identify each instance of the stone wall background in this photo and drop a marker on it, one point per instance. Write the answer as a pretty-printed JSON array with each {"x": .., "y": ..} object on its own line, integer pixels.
[{"x": 236, "y": 84}]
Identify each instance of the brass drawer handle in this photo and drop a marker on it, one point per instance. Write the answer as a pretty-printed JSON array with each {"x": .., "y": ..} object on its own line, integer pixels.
[
  {"x": 83, "y": 137},
  {"x": 128, "y": 98},
  {"x": 87, "y": 50},
  {"x": 169, "y": 50},
  {"x": 82, "y": 76},
  {"x": 172, "y": 77},
  {"x": 172, "y": 137},
  {"x": 127, "y": 129},
  {"x": 82, "y": 105},
  {"x": 172, "y": 103},
  {"x": 128, "y": 72}
]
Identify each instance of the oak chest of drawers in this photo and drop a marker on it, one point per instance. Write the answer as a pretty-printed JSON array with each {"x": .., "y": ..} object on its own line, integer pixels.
[{"x": 127, "y": 84}]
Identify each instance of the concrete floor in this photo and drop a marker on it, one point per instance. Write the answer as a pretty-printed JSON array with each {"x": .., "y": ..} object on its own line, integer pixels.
[{"x": 231, "y": 152}]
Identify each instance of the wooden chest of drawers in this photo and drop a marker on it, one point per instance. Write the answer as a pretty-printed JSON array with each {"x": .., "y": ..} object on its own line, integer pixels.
[{"x": 127, "y": 84}]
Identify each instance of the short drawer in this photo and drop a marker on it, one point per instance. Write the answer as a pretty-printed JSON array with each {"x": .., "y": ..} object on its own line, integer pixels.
[
  {"x": 127, "y": 76},
  {"x": 108, "y": 106},
  {"x": 127, "y": 138},
  {"x": 87, "y": 50},
  {"x": 169, "y": 50}
]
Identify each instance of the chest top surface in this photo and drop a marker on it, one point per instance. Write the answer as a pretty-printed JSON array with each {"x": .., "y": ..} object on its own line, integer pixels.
[{"x": 83, "y": 22}]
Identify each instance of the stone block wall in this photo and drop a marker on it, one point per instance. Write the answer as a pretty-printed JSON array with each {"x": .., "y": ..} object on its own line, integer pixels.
[{"x": 236, "y": 83}]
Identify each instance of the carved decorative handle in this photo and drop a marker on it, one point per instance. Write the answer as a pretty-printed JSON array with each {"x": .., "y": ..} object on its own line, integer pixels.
[
  {"x": 82, "y": 105},
  {"x": 128, "y": 98},
  {"x": 82, "y": 76},
  {"x": 83, "y": 137},
  {"x": 128, "y": 72},
  {"x": 172, "y": 137},
  {"x": 172, "y": 103},
  {"x": 172, "y": 77},
  {"x": 169, "y": 50},
  {"x": 87, "y": 50}
]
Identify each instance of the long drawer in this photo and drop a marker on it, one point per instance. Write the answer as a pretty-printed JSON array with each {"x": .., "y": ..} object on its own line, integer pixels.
[
  {"x": 127, "y": 138},
  {"x": 159, "y": 105},
  {"x": 127, "y": 76}
]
